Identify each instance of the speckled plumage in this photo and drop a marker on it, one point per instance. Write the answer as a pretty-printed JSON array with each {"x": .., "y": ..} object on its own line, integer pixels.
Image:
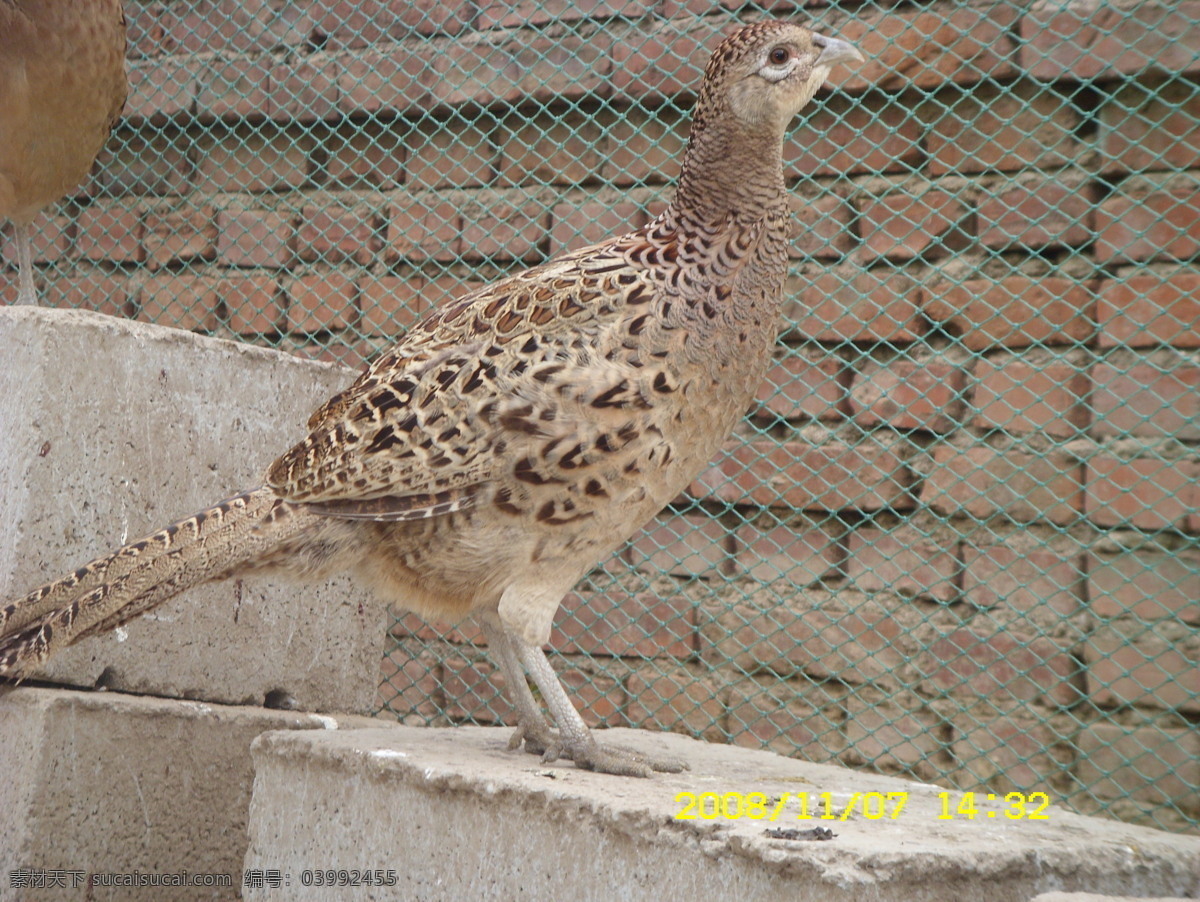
[
  {"x": 62, "y": 87},
  {"x": 517, "y": 436}
]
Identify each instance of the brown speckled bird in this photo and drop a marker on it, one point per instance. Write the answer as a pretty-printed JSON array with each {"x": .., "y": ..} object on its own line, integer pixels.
[
  {"x": 62, "y": 87},
  {"x": 523, "y": 432}
]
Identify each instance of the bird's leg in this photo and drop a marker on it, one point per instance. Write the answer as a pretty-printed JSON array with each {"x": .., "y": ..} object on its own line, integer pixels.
[
  {"x": 532, "y": 728},
  {"x": 23, "y": 236},
  {"x": 576, "y": 740}
]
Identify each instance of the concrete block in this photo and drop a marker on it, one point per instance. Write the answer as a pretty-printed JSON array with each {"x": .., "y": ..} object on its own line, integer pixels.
[
  {"x": 110, "y": 429},
  {"x": 453, "y": 815},
  {"x": 100, "y": 783}
]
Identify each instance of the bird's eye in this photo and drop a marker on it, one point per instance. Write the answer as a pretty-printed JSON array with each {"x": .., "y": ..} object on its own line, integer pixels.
[{"x": 779, "y": 55}]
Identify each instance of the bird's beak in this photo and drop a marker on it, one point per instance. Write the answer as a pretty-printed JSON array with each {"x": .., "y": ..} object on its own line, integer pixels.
[{"x": 836, "y": 51}]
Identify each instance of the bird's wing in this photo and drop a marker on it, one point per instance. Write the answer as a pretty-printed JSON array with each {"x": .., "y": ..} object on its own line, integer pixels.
[{"x": 518, "y": 363}]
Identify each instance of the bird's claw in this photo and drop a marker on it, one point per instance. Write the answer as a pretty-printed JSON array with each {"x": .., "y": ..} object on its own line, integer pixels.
[{"x": 621, "y": 761}]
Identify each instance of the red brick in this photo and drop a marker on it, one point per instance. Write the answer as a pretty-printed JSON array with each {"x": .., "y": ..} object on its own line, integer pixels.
[
  {"x": 1025, "y": 573},
  {"x": 803, "y": 384},
  {"x": 525, "y": 13},
  {"x": 923, "y": 49},
  {"x": 409, "y": 685},
  {"x": 1142, "y": 492},
  {"x": 687, "y": 545},
  {"x": 574, "y": 225},
  {"x": 852, "y": 305},
  {"x": 500, "y": 227},
  {"x": 361, "y": 23},
  {"x": 977, "y": 661},
  {"x": 140, "y": 162},
  {"x": 1148, "y": 126},
  {"x": 448, "y": 286},
  {"x": 424, "y": 226},
  {"x": 643, "y": 145},
  {"x": 563, "y": 149},
  {"x": 266, "y": 158},
  {"x": 1148, "y": 764},
  {"x": 1153, "y": 396},
  {"x": 386, "y": 81},
  {"x": 909, "y": 394},
  {"x": 179, "y": 235},
  {"x": 903, "y": 226},
  {"x": 799, "y": 550},
  {"x": 336, "y": 235},
  {"x": 261, "y": 238},
  {"x": 904, "y": 560},
  {"x": 821, "y": 227},
  {"x": 888, "y": 737},
  {"x": 320, "y": 301},
  {"x": 366, "y": 155},
  {"x": 980, "y": 480},
  {"x": 1101, "y": 40},
  {"x": 406, "y": 624},
  {"x": 252, "y": 303},
  {"x": 859, "y": 646},
  {"x": 1152, "y": 225},
  {"x": 1038, "y": 212},
  {"x": 620, "y": 625},
  {"x": 1149, "y": 308},
  {"x": 180, "y": 300},
  {"x": 1019, "y": 394},
  {"x": 236, "y": 88},
  {"x": 830, "y": 477},
  {"x": 452, "y": 154},
  {"x": 667, "y": 61},
  {"x": 1145, "y": 583},
  {"x": 92, "y": 289},
  {"x": 160, "y": 90},
  {"x": 761, "y": 719},
  {"x": 677, "y": 700},
  {"x": 1010, "y": 753},
  {"x": 305, "y": 89},
  {"x": 51, "y": 239},
  {"x": 1006, "y": 127},
  {"x": 109, "y": 232},
  {"x": 391, "y": 304},
  {"x": 843, "y": 136},
  {"x": 1016, "y": 311},
  {"x": 1132, "y": 664},
  {"x": 224, "y": 26},
  {"x": 474, "y": 692}
]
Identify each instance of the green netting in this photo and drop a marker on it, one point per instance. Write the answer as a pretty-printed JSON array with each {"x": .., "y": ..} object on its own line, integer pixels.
[{"x": 956, "y": 537}]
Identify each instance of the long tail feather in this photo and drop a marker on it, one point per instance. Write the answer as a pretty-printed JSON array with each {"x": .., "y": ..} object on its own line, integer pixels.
[{"x": 112, "y": 590}]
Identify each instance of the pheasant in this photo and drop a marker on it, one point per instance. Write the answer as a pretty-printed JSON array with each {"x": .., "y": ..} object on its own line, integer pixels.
[
  {"x": 523, "y": 432},
  {"x": 62, "y": 87}
]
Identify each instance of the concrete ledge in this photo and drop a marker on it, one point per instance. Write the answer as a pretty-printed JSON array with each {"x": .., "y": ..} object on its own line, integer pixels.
[
  {"x": 455, "y": 815},
  {"x": 115, "y": 428},
  {"x": 104, "y": 783}
]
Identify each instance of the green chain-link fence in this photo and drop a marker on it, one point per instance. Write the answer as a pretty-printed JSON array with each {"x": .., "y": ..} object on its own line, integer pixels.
[{"x": 957, "y": 536}]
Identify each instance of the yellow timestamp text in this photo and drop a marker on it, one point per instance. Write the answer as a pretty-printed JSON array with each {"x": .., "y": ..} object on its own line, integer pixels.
[{"x": 830, "y": 806}]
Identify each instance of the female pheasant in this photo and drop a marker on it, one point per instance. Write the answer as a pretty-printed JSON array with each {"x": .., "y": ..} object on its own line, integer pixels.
[{"x": 522, "y": 433}]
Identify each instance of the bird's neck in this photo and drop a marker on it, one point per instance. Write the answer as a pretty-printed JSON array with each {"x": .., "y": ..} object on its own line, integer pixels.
[{"x": 729, "y": 173}]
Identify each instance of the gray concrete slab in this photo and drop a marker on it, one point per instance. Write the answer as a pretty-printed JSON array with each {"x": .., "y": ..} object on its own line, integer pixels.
[
  {"x": 112, "y": 429},
  {"x": 101, "y": 783},
  {"x": 454, "y": 815}
]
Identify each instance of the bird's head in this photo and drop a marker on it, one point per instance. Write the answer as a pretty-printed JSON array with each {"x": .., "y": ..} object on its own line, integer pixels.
[{"x": 764, "y": 73}]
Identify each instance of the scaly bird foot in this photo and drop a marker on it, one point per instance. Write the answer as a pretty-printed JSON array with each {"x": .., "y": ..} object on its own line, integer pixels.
[{"x": 619, "y": 760}]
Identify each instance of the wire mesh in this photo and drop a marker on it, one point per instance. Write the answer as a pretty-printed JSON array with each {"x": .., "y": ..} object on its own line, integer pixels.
[{"x": 956, "y": 536}]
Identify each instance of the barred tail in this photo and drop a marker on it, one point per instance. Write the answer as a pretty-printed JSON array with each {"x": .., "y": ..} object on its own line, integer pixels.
[{"x": 112, "y": 590}]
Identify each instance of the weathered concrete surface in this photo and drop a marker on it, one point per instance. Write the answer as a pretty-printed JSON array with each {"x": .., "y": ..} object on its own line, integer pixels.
[
  {"x": 110, "y": 429},
  {"x": 1093, "y": 897},
  {"x": 459, "y": 817},
  {"x": 105, "y": 783}
]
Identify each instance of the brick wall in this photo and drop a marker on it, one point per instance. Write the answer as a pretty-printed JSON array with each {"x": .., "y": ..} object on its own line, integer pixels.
[{"x": 957, "y": 535}]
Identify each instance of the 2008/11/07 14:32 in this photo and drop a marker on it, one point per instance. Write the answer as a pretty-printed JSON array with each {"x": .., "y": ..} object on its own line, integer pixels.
[{"x": 828, "y": 806}]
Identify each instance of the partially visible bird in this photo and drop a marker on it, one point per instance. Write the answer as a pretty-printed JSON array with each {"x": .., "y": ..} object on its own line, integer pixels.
[
  {"x": 62, "y": 87},
  {"x": 520, "y": 434}
]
